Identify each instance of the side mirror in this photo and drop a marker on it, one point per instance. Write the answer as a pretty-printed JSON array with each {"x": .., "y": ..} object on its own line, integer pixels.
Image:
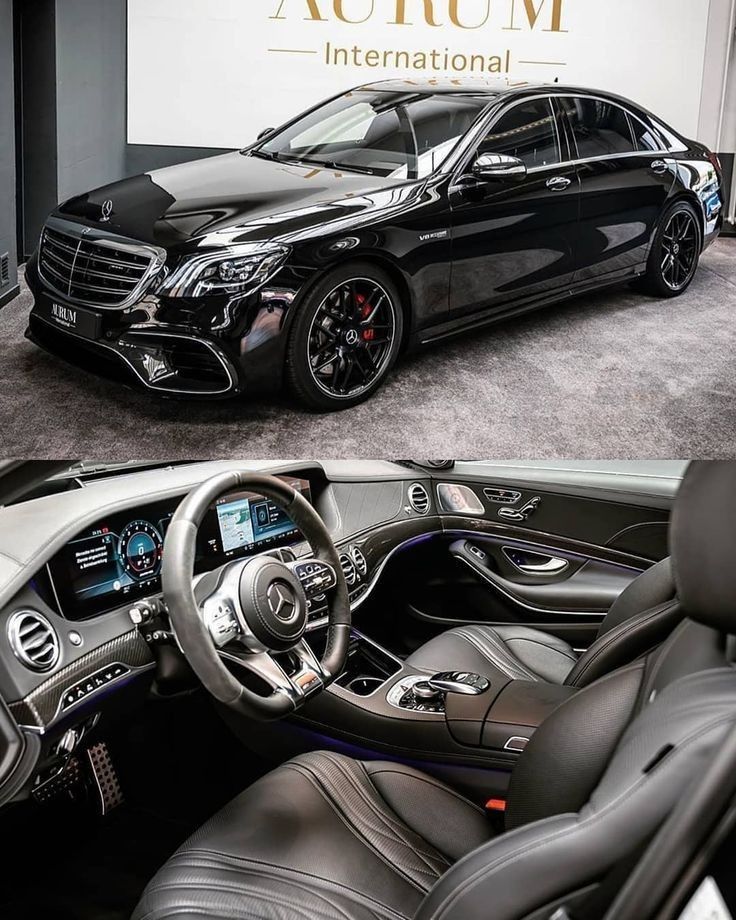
[
  {"x": 265, "y": 133},
  {"x": 498, "y": 166}
]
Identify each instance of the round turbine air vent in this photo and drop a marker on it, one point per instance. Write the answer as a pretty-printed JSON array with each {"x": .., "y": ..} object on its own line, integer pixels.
[
  {"x": 34, "y": 640},
  {"x": 418, "y": 498},
  {"x": 348, "y": 569},
  {"x": 359, "y": 561}
]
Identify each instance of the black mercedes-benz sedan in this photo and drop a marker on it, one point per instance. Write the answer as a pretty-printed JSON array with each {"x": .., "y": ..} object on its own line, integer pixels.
[{"x": 388, "y": 217}]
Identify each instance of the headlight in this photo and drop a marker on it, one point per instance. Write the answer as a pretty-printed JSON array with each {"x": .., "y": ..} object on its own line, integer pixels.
[{"x": 233, "y": 272}]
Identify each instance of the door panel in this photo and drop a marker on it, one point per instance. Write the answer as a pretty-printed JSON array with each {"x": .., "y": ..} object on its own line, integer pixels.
[
  {"x": 478, "y": 571},
  {"x": 511, "y": 238},
  {"x": 622, "y": 189},
  {"x": 584, "y": 585}
]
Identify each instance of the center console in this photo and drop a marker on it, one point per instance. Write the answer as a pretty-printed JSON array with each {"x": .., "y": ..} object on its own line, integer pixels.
[
  {"x": 384, "y": 705},
  {"x": 466, "y": 729}
]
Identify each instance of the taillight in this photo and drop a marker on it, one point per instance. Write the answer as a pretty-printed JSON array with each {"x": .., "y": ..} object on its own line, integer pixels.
[{"x": 713, "y": 157}]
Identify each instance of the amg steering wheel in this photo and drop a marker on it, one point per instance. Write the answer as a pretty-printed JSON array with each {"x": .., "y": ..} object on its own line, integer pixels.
[{"x": 251, "y": 610}]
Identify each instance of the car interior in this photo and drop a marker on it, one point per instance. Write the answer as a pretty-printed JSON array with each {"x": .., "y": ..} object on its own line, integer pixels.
[{"x": 357, "y": 689}]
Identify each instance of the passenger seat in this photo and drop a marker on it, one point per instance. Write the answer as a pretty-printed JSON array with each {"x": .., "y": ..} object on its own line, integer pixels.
[{"x": 641, "y": 618}]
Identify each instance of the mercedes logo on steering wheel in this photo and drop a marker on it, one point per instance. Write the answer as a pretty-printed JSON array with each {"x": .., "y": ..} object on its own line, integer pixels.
[{"x": 281, "y": 601}]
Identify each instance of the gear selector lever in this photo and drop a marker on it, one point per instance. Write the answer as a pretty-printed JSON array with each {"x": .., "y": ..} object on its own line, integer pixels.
[{"x": 459, "y": 682}]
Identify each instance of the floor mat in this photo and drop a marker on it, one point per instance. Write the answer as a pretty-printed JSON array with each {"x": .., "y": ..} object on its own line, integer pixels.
[{"x": 177, "y": 763}]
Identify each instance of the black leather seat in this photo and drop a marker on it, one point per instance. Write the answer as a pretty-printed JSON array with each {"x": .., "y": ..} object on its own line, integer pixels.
[
  {"x": 643, "y": 615},
  {"x": 325, "y": 837}
]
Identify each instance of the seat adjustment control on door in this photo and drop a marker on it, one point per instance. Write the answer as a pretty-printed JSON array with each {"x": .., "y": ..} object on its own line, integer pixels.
[
  {"x": 463, "y": 682},
  {"x": 512, "y": 514}
]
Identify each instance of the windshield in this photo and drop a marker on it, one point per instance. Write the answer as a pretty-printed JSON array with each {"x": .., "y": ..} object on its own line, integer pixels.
[{"x": 397, "y": 135}]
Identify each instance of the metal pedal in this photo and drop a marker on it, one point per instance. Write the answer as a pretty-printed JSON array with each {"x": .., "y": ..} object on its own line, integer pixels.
[
  {"x": 109, "y": 793},
  {"x": 61, "y": 782}
]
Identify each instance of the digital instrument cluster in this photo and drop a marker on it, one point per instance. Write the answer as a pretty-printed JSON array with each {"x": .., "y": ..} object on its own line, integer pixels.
[{"x": 119, "y": 558}]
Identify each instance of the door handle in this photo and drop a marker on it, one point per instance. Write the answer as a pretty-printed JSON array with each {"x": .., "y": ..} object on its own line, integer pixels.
[
  {"x": 659, "y": 167},
  {"x": 533, "y": 563},
  {"x": 558, "y": 183},
  {"x": 511, "y": 514},
  {"x": 552, "y": 566}
]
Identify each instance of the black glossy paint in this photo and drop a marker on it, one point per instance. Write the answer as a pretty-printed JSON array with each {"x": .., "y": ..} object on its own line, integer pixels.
[{"x": 461, "y": 254}]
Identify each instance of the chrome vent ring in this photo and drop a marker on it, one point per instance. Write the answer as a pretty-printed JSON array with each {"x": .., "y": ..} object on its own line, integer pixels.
[
  {"x": 359, "y": 561},
  {"x": 348, "y": 569},
  {"x": 419, "y": 498},
  {"x": 34, "y": 640}
]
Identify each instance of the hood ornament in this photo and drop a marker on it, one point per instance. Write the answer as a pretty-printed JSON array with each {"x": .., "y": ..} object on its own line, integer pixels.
[{"x": 106, "y": 211}]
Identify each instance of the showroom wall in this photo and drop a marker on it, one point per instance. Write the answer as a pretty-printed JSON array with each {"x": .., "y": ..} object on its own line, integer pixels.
[
  {"x": 7, "y": 153},
  {"x": 90, "y": 95}
]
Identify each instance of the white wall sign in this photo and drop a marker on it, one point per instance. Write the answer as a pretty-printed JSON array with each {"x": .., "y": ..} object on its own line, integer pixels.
[{"x": 213, "y": 73}]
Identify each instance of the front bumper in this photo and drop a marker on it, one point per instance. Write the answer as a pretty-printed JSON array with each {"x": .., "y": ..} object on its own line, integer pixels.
[{"x": 166, "y": 348}]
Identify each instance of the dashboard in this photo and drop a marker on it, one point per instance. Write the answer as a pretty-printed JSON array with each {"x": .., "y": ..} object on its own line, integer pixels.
[{"x": 118, "y": 558}]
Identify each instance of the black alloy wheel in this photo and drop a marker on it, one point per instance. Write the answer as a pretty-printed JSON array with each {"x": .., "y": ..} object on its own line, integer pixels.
[
  {"x": 675, "y": 253},
  {"x": 345, "y": 339},
  {"x": 680, "y": 248}
]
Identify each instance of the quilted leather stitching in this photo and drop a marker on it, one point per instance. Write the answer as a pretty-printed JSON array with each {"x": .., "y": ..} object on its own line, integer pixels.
[
  {"x": 420, "y": 778},
  {"x": 246, "y": 886},
  {"x": 552, "y": 648},
  {"x": 373, "y": 824},
  {"x": 500, "y": 658}
]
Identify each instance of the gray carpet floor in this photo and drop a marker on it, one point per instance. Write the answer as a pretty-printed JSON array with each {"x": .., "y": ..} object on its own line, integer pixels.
[{"x": 612, "y": 375}]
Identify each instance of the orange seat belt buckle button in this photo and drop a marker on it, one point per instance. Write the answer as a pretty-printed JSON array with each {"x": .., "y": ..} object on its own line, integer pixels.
[{"x": 496, "y": 804}]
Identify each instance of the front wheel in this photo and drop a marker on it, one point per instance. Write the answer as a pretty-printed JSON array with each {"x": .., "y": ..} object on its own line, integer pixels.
[
  {"x": 345, "y": 339},
  {"x": 675, "y": 253}
]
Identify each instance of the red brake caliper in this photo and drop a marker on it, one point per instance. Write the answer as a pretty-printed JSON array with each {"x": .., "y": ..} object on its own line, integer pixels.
[{"x": 365, "y": 311}]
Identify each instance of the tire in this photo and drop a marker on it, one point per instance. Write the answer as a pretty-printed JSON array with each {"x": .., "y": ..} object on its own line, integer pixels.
[
  {"x": 345, "y": 338},
  {"x": 675, "y": 252}
]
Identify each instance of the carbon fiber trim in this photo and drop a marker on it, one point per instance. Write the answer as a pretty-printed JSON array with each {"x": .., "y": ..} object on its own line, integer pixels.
[{"x": 40, "y": 707}]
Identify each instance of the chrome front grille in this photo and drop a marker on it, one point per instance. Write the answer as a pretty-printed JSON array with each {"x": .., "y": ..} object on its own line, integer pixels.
[{"x": 102, "y": 272}]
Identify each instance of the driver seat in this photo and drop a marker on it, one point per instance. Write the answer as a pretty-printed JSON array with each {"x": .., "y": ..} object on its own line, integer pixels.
[{"x": 327, "y": 837}]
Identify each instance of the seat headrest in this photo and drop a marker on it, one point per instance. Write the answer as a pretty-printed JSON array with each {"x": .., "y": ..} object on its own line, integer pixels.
[{"x": 703, "y": 543}]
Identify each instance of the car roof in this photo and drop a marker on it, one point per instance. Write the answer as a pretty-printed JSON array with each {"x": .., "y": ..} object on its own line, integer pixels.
[
  {"x": 430, "y": 86},
  {"x": 492, "y": 88},
  {"x": 480, "y": 86}
]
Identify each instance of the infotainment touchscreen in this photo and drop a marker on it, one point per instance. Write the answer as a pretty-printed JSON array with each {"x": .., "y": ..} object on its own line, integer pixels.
[
  {"x": 246, "y": 522},
  {"x": 119, "y": 559}
]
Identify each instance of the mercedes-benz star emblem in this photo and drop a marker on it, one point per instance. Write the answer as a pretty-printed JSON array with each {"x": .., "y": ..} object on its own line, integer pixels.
[
  {"x": 281, "y": 601},
  {"x": 106, "y": 210},
  {"x": 351, "y": 337}
]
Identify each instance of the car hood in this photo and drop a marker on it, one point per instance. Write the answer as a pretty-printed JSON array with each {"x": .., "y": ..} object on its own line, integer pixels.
[{"x": 234, "y": 198}]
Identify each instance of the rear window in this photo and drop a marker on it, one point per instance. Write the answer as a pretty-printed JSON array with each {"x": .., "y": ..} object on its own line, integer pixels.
[{"x": 644, "y": 137}]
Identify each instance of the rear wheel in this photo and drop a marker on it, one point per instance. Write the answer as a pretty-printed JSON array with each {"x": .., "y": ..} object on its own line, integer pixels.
[
  {"x": 675, "y": 253},
  {"x": 345, "y": 339}
]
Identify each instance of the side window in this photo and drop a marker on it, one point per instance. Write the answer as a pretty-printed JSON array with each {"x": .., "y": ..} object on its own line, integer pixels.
[
  {"x": 600, "y": 128},
  {"x": 644, "y": 136},
  {"x": 526, "y": 131}
]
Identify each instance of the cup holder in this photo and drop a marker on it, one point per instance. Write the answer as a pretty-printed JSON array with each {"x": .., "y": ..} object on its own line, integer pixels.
[{"x": 364, "y": 686}]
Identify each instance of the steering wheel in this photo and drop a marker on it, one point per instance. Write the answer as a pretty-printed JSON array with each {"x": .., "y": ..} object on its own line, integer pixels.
[{"x": 250, "y": 610}]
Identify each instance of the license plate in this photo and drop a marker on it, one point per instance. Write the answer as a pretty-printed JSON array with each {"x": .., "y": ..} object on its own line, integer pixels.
[{"x": 72, "y": 319}]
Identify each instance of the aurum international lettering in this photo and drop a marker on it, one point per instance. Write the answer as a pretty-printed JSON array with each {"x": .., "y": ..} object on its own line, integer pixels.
[{"x": 509, "y": 15}]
